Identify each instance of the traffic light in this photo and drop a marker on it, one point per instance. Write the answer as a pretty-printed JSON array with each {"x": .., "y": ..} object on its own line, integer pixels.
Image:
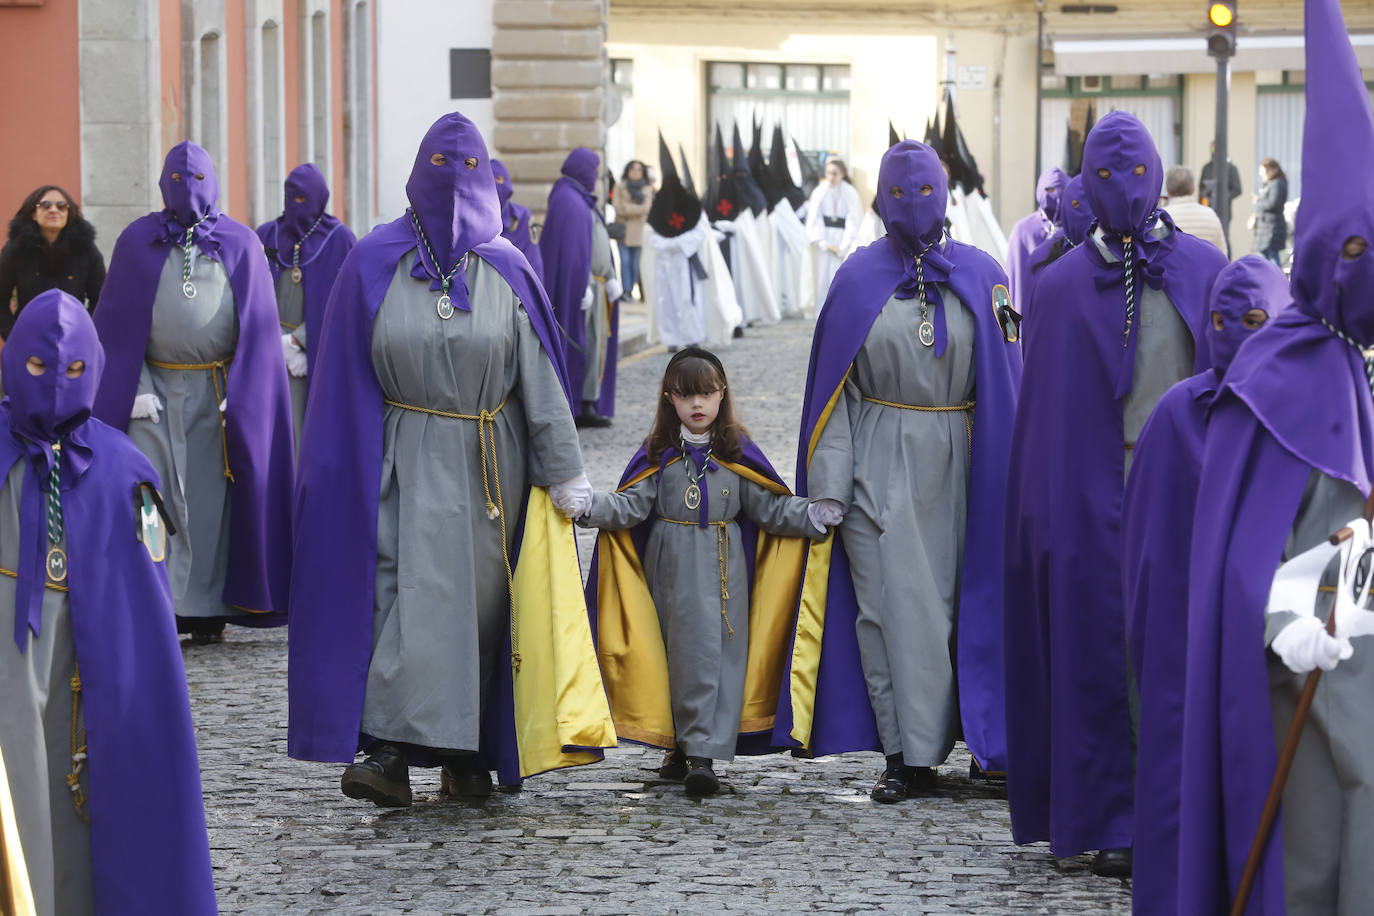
[{"x": 1221, "y": 28}]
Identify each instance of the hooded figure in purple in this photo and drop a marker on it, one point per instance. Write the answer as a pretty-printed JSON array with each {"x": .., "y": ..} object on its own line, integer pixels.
[
  {"x": 517, "y": 226},
  {"x": 91, "y": 641},
  {"x": 1120, "y": 320},
  {"x": 1288, "y": 460},
  {"x": 194, "y": 372},
  {"x": 906, "y": 426},
  {"x": 1157, "y": 527},
  {"x": 1075, "y": 216},
  {"x": 1033, "y": 229},
  {"x": 580, "y": 278},
  {"x": 305, "y": 249},
  {"x": 442, "y": 404}
]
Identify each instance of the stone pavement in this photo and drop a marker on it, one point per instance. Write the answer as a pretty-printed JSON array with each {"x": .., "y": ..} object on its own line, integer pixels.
[{"x": 784, "y": 835}]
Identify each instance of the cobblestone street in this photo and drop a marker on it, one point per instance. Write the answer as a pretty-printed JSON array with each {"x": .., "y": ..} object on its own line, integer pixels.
[{"x": 784, "y": 835}]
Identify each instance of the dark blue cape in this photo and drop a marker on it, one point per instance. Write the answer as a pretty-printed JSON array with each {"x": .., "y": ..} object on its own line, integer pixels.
[
  {"x": 1070, "y": 778},
  {"x": 337, "y": 490},
  {"x": 1157, "y": 527},
  {"x": 843, "y": 717},
  {"x": 149, "y": 849}
]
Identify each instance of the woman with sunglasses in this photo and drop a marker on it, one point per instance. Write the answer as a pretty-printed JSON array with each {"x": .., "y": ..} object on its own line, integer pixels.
[{"x": 50, "y": 247}]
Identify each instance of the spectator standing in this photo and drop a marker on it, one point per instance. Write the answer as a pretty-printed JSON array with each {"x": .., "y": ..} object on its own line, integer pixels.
[
  {"x": 51, "y": 246},
  {"x": 1271, "y": 229},
  {"x": 1190, "y": 216},
  {"x": 634, "y": 197}
]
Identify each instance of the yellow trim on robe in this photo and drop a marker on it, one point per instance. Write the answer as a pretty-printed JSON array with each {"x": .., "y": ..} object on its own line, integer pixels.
[
  {"x": 634, "y": 661},
  {"x": 16, "y": 897},
  {"x": 560, "y": 703},
  {"x": 810, "y": 616}
]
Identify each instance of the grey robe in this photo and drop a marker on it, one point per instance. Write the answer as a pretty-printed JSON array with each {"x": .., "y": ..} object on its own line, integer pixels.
[
  {"x": 442, "y": 603},
  {"x": 682, "y": 565},
  {"x": 1164, "y": 352},
  {"x": 291, "y": 310},
  {"x": 186, "y": 444},
  {"x": 35, "y": 733},
  {"x": 597, "y": 314},
  {"x": 1328, "y": 802},
  {"x": 904, "y": 474}
]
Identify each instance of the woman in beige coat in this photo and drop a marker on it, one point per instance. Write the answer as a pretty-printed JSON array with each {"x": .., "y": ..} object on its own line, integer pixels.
[{"x": 632, "y": 198}]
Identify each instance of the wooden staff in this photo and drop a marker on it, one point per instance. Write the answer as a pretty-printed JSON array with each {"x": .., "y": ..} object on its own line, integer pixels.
[{"x": 1290, "y": 750}]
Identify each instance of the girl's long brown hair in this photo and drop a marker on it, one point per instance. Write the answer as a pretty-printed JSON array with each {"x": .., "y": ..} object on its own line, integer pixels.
[{"x": 694, "y": 370}]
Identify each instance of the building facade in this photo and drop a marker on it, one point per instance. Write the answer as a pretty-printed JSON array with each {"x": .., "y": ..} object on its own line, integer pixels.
[{"x": 264, "y": 85}]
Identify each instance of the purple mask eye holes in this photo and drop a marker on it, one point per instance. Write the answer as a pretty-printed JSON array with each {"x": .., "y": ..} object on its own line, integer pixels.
[
  {"x": 35, "y": 366},
  {"x": 1104, "y": 174},
  {"x": 926, "y": 190},
  {"x": 438, "y": 159},
  {"x": 1254, "y": 319},
  {"x": 76, "y": 369},
  {"x": 470, "y": 163},
  {"x": 176, "y": 176},
  {"x": 1074, "y": 203},
  {"x": 896, "y": 191},
  {"x": 1354, "y": 247},
  {"x": 1139, "y": 169}
]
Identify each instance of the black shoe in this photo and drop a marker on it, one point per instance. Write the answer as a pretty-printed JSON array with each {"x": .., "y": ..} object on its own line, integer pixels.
[
  {"x": 463, "y": 777},
  {"x": 739, "y": 332},
  {"x": 383, "y": 778},
  {"x": 589, "y": 417},
  {"x": 674, "y": 765},
  {"x": 891, "y": 787},
  {"x": 1112, "y": 863},
  {"x": 701, "y": 779},
  {"x": 206, "y": 631}
]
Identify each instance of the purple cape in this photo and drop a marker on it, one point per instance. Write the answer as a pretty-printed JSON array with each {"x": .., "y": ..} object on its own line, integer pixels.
[
  {"x": 1029, "y": 233},
  {"x": 320, "y": 263},
  {"x": 752, "y": 457},
  {"x": 337, "y": 491},
  {"x": 1070, "y": 776},
  {"x": 258, "y": 421},
  {"x": 516, "y": 221},
  {"x": 149, "y": 851},
  {"x": 565, "y": 245},
  {"x": 843, "y": 716}
]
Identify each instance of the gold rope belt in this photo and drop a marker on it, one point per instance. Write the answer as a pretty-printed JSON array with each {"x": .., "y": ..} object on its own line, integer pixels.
[
  {"x": 496, "y": 509},
  {"x": 965, "y": 408},
  {"x": 289, "y": 327},
  {"x": 14, "y": 575},
  {"x": 216, "y": 369},
  {"x": 722, "y": 561}
]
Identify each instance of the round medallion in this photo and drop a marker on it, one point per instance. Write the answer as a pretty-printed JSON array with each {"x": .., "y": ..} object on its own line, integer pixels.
[
  {"x": 692, "y": 498},
  {"x": 445, "y": 307},
  {"x": 927, "y": 334},
  {"x": 188, "y": 289},
  {"x": 295, "y": 275},
  {"x": 57, "y": 565}
]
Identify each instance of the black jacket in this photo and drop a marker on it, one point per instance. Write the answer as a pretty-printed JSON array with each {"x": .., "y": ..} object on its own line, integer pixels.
[
  {"x": 29, "y": 266},
  {"x": 1271, "y": 230}
]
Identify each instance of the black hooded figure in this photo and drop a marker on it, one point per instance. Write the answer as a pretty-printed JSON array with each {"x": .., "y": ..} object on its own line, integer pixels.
[
  {"x": 679, "y": 232},
  {"x": 739, "y": 210},
  {"x": 783, "y": 185}
]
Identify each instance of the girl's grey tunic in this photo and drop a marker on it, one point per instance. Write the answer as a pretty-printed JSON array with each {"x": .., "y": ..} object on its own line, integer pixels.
[
  {"x": 441, "y": 608},
  {"x": 904, "y": 475},
  {"x": 186, "y": 444},
  {"x": 1328, "y": 802},
  {"x": 36, "y": 733},
  {"x": 291, "y": 310},
  {"x": 684, "y": 565}
]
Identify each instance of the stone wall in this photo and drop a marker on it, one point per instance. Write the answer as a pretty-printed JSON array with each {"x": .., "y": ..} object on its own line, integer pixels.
[{"x": 549, "y": 83}]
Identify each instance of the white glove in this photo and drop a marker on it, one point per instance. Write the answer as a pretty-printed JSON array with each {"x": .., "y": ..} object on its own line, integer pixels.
[
  {"x": 1304, "y": 645},
  {"x": 572, "y": 497},
  {"x": 825, "y": 513},
  {"x": 613, "y": 289},
  {"x": 725, "y": 227},
  {"x": 295, "y": 357},
  {"x": 146, "y": 407},
  {"x": 587, "y": 298},
  {"x": 223, "y": 407}
]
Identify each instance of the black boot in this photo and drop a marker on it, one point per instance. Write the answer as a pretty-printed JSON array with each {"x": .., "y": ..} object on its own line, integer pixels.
[
  {"x": 206, "y": 630},
  {"x": 1112, "y": 863},
  {"x": 674, "y": 765},
  {"x": 589, "y": 417},
  {"x": 701, "y": 779},
  {"x": 894, "y": 784},
  {"x": 463, "y": 777},
  {"x": 738, "y": 332},
  {"x": 383, "y": 778}
]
